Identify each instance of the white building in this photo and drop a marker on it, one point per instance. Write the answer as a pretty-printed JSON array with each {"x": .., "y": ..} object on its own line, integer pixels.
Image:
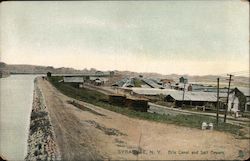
[{"x": 239, "y": 100}]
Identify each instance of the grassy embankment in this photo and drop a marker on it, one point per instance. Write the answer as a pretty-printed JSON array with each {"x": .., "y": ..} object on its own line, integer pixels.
[{"x": 101, "y": 100}]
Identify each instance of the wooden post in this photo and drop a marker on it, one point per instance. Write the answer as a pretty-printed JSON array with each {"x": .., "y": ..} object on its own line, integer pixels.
[
  {"x": 217, "y": 110},
  {"x": 183, "y": 96},
  {"x": 229, "y": 83}
]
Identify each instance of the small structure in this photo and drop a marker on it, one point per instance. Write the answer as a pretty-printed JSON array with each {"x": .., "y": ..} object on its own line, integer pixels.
[
  {"x": 49, "y": 74},
  {"x": 190, "y": 87},
  {"x": 183, "y": 80},
  {"x": 179, "y": 86},
  {"x": 111, "y": 73},
  {"x": 69, "y": 79},
  {"x": 192, "y": 98},
  {"x": 137, "y": 91},
  {"x": 4, "y": 74},
  {"x": 214, "y": 89},
  {"x": 239, "y": 100},
  {"x": 99, "y": 73},
  {"x": 129, "y": 83},
  {"x": 207, "y": 88},
  {"x": 137, "y": 104},
  {"x": 1, "y": 74},
  {"x": 117, "y": 99},
  {"x": 77, "y": 81},
  {"x": 98, "y": 81},
  {"x": 167, "y": 81},
  {"x": 153, "y": 83},
  {"x": 104, "y": 73},
  {"x": 126, "y": 82},
  {"x": 120, "y": 83}
]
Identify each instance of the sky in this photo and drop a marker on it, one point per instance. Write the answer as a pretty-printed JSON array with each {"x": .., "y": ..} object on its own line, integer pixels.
[{"x": 181, "y": 37}]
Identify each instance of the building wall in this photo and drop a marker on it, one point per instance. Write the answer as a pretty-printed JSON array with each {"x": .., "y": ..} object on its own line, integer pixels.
[
  {"x": 242, "y": 100},
  {"x": 233, "y": 103},
  {"x": 73, "y": 79},
  {"x": 247, "y": 105}
]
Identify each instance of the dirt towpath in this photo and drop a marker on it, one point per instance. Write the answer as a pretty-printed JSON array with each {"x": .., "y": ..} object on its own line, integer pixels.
[{"x": 87, "y": 132}]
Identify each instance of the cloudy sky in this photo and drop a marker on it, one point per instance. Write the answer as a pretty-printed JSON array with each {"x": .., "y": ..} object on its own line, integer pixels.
[{"x": 183, "y": 37}]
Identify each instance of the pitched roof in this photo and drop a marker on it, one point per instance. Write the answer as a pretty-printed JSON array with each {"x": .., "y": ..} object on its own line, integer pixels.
[
  {"x": 98, "y": 78},
  {"x": 194, "y": 96},
  {"x": 129, "y": 83},
  {"x": 120, "y": 83},
  {"x": 152, "y": 83},
  {"x": 244, "y": 90},
  {"x": 73, "y": 79},
  {"x": 177, "y": 95},
  {"x": 151, "y": 91}
]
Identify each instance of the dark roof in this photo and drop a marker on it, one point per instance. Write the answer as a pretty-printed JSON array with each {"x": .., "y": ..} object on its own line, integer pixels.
[{"x": 244, "y": 90}]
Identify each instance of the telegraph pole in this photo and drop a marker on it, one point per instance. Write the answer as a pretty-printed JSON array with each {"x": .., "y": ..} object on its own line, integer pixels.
[
  {"x": 229, "y": 83},
  {"x": 183, "y": 95},
  {"x": 217, "y": 110}
]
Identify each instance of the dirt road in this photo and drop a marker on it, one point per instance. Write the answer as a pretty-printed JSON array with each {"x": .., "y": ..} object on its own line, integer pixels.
[{"x": 84, "y": 131}]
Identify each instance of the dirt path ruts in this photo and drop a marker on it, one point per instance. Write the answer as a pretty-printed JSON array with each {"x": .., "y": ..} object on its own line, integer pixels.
[{"x": 69, "y": 135}]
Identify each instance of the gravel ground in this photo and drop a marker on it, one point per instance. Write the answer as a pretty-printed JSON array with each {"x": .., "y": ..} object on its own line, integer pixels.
[{"x": 41, "y": 142}]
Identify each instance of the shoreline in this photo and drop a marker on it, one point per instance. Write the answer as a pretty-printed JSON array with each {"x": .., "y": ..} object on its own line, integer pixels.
[{"x": 41, "y": 138}]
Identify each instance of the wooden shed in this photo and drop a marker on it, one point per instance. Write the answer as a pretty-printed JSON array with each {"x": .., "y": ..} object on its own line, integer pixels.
[
  {"x": 137, "y": 104},
  {"x": 49, "y": 74},
  {"x": 117, "y": 99}
]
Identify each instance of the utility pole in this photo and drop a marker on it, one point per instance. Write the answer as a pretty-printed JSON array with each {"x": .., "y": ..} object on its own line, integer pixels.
[
  {"x": 229, "y": 83},
  {"x": 217, "y": 110},
  {"x": 183, "y": 95}
]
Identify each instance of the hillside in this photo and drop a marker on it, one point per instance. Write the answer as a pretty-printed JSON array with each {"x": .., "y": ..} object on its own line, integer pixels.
[
  {"x": 206, "y": 79},
  {"x": 35, "y": 69}
]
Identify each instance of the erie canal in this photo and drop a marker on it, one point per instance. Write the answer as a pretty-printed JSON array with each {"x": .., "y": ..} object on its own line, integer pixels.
[{"x": 16, "y": 97}]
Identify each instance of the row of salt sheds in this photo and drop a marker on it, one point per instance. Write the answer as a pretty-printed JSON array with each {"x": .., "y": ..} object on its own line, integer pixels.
[
  {"x": 130, "y": 82},
  {"x": 239, "y": 98}
]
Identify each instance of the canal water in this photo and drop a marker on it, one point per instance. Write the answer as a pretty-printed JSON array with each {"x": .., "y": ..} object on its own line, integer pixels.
[{"x": 16, "y": 97}]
